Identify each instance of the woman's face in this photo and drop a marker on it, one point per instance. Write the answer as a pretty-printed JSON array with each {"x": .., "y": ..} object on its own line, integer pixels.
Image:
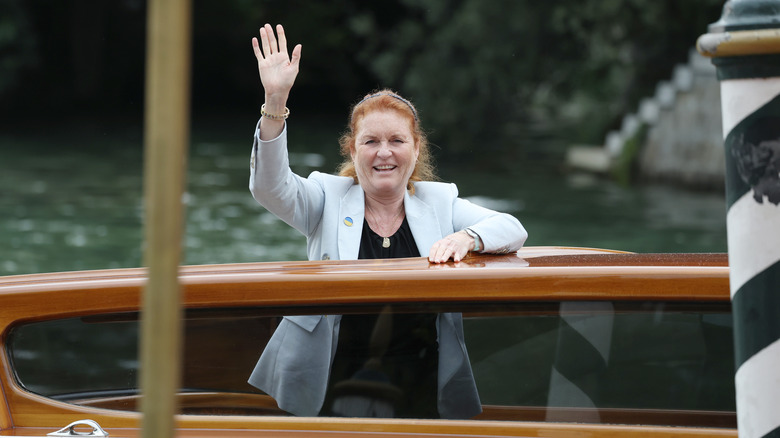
[{"x": 384, "y": 153}]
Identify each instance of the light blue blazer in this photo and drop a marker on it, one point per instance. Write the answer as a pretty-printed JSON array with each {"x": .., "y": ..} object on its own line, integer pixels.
[{"x": 329, "y": 210}]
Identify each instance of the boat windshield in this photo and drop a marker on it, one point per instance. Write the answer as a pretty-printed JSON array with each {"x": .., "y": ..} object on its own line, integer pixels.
[{"x": 627, "y": 362}]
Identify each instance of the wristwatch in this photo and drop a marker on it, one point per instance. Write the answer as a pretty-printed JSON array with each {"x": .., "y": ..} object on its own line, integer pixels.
[{"x": 477, "y": 240}]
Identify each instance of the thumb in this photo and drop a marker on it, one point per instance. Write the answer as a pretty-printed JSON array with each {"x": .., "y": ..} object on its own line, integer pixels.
[{"x": 296, "y": 55}]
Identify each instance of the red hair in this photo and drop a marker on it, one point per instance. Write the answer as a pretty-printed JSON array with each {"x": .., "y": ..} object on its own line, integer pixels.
[{"x": 387, "y": 100}]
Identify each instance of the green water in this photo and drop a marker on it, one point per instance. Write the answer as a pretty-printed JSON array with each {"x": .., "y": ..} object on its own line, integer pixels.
[{"x": 72, "y": 200}]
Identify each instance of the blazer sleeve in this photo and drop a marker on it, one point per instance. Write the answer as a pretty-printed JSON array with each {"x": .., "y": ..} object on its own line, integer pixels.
[
  {"x": 297, "y": 201},
  {"x": 500, "y": 232}
]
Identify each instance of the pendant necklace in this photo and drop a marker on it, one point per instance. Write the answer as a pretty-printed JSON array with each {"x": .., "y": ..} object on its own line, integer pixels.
[{"x": 385, "y": 240}]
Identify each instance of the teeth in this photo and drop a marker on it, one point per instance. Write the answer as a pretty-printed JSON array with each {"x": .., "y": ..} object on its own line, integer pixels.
[{"x": 384, "y": 167}]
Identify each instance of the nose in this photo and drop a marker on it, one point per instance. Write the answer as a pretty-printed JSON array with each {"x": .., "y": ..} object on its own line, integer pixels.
[{"x": 384, "y": 150}]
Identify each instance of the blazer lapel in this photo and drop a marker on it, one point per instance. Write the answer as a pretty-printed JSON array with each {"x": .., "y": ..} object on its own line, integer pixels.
[
  {"x": 351, "y": 213},
  {"x": 423, "y": 222}
]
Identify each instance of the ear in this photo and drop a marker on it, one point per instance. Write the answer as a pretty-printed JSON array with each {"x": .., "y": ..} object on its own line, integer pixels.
[{"x": 352, "y": 152}]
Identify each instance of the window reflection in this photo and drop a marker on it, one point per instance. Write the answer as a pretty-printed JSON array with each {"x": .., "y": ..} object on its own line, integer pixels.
[
  {"x": 642, "y": 362},
  {"x": 385, "y": 366}
]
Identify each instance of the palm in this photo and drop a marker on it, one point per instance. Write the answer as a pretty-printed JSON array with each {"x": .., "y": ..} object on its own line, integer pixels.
[
  {"x": 277, "y": 73},
  {"x": 277, "y": 69}
]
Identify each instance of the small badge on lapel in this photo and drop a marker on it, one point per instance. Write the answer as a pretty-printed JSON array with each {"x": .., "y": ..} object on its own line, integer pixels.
[{"x": 348, "y": 221}]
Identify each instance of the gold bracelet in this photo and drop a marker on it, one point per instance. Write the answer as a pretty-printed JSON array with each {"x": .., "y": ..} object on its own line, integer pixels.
[{"x": 275, "y": 116}]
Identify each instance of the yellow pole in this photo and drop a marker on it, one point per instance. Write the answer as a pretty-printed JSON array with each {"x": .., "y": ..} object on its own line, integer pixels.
[{"x": 166, "y": 136}]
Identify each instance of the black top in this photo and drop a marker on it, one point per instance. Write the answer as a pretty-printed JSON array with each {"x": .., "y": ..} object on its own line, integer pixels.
[
  {"x": 401, "y": 244},
  {"x": 385, "y": 365}
]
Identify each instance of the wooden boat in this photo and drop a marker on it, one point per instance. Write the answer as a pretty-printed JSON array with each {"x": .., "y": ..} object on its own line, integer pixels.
[{"x": 69, "y": 343}]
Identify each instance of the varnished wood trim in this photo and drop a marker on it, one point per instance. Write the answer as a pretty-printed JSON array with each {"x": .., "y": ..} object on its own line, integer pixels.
[
  {"x": 260, "y": 404},
  {"x": 580, "y": 275},
  {"x": 657, "y": 417},
  {"x": 308, "y": 283},
  {"x": 564, "y": 431},
  {"x": 40, "y": 411},
  {"x": 220, "y": 403},
  {"x": 5, "y": 410}
]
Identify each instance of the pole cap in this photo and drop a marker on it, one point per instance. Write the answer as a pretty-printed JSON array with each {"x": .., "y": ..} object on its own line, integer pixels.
[
  {"x": 746, "y": 28},
  {"x": 747, "y": 15}
]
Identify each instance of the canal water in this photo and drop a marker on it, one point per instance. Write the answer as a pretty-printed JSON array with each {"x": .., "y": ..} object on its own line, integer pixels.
[{"x": 72, "y": 200}]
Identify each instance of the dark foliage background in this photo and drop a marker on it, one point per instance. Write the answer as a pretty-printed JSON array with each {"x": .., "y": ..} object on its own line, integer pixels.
[{"x": 484, "y": 74}]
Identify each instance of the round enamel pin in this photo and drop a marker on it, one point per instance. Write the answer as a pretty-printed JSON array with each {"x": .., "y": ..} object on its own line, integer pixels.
[{"x": 348, "y": 221}]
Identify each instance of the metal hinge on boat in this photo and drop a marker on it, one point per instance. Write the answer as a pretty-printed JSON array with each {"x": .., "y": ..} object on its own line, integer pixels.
[{"x": 70, "y": 430}]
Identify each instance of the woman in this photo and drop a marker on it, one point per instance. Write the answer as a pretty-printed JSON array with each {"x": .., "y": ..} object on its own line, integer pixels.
[{"x": 381, "y": 205}]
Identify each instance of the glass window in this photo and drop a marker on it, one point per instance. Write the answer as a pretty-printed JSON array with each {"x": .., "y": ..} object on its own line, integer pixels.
[
  {"x": 627, "y": 362},
  {"x": 594, "y": 361}
]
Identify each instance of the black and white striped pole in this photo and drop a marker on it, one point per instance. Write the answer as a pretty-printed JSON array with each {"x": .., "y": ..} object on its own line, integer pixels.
[{"x": 745, "y": 47}]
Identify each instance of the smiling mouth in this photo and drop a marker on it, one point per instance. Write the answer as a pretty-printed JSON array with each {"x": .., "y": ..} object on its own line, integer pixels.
[{"x": 384, "y": 168}]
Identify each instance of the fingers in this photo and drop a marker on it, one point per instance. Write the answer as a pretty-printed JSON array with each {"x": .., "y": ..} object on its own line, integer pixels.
[
  {"x": 454, "y": 247},
  {"x": 264, "y": 39},
  {"x": 272, "y": 45},
  {"x": 268, "y": 40},
  {"x": 256, "y": 48},
  {"x": 282, "y": 39},
  {"x": 445, "y": 252}
]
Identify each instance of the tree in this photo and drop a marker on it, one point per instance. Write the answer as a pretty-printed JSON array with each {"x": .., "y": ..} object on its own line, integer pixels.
[
  {"x": 503, "y": 77},
  {"x": 492, "y": 76},
  {"x": 17, "y": 44}
]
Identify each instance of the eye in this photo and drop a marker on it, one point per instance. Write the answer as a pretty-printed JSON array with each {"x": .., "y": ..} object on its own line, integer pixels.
[{"x": 369, "y": 142}]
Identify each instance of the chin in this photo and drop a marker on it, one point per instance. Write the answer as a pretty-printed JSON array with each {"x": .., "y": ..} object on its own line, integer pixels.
[{"x": 389, "y": 188}]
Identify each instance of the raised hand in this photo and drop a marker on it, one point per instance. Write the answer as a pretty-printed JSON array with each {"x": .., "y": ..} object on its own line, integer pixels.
[
  {"x": 277, "y": 69},
  {"x": 277, "y": 73}
]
